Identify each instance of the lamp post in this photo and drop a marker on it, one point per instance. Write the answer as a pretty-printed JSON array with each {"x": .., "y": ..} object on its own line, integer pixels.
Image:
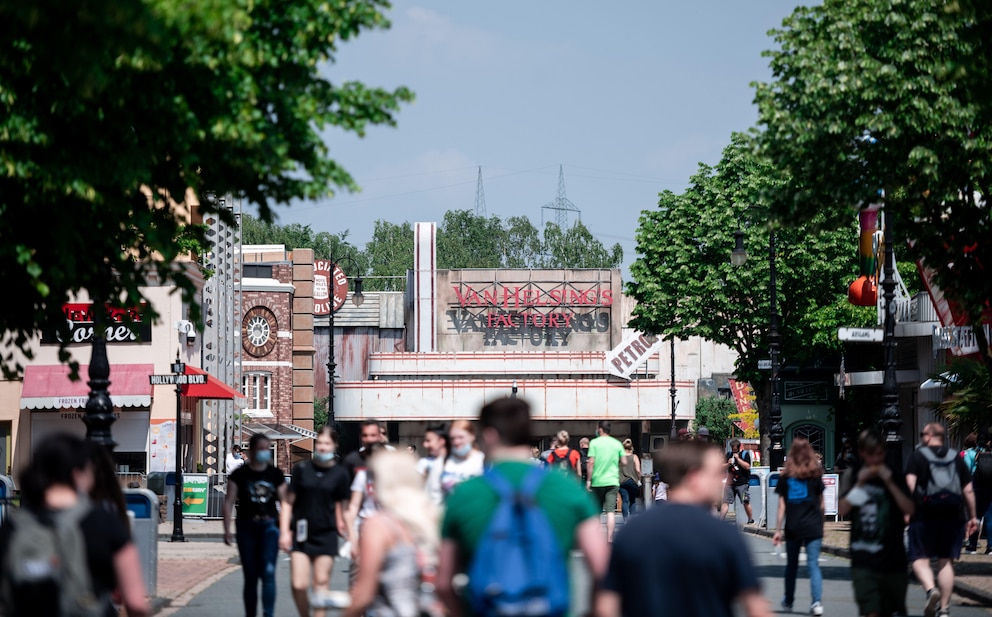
[
  {"x": 891, "y": 422},
  {"x": 776, "y": 434},
  {"x": 99, "y": 408},
  {"x": 358, "y": 298},
  {"x": 178, "y": 368},
  {"x": 674, "y": 433}
]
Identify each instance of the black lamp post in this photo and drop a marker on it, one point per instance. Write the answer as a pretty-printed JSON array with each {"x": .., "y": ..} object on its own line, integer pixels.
[
  {"x": 891, "y": 422},
  {"x": 674, "y": 434},
  {"x": 99, "y": 408},
  {"x": 178, "y": 368},
  {"x": 776, "y": 434},
  {"x": 358, "y": 298}
]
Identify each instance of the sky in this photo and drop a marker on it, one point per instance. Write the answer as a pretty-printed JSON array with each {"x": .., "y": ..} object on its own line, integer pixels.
[{"x": 628, "y": 97}]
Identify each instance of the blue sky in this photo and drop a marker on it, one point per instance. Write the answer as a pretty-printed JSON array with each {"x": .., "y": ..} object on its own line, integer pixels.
[{"x": 629, "y": 96}]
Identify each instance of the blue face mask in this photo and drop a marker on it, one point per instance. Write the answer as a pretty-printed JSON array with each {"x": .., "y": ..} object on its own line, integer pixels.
[
  {"x": 237, "y": 455},
  {"x": 264, "y": 457},
  {"x": 323, "y": 457},
  {"x": 462, "y": 451}
]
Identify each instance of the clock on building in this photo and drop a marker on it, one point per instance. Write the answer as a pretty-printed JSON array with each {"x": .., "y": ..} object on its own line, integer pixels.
[{"x": 258, "y": 331}]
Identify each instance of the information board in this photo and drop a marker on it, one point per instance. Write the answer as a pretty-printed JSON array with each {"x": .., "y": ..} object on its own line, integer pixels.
[
  {"x": 831, "y": 500},
  {"x": 195, "y": 494}
]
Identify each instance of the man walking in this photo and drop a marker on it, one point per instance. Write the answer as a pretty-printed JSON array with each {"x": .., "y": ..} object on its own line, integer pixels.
[
  {"x": 372, "y": 432},
  {"x": 658, "y": 560},
  {"x": 568, "y": 514},
  {"x": 738, "y": 481},
  {"x": 939, "y": 480},
  {"x": 606, "y": 453}
]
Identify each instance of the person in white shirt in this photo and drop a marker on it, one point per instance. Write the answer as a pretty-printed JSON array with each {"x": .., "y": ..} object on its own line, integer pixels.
[
  {"x": 464, "y": 460},
  {"x": 234, "y": 459},
  {"x": 431, "y": 466}
]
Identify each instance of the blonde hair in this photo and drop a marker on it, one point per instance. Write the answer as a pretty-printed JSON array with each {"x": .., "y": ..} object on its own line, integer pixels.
[
  {"x": 466, "y": 425},
  {"x": 399, "y": 489},
  {"x": 562, "y": 438},
  {"x": 628, "y": 445}
]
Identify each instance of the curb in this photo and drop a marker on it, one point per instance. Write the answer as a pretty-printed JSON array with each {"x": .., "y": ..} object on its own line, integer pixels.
[{"x": 962, "y": 589}]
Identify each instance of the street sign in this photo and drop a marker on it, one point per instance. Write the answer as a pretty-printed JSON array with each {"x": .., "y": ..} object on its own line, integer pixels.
[
  {"x": 195, "y": 494},
  {"x": 860, "y": 335},
  {"x": 180, "y": 380},
  {"x": 764, "y": 365}
]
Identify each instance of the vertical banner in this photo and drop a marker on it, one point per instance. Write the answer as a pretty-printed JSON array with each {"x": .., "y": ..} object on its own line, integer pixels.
[
  {"x": 831, "y": 500},
  {"x": 425, "y": 286},
  {"x": 162, "y": 446}
]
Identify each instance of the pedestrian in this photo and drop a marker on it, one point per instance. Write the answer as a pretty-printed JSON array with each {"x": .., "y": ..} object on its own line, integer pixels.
[
  {"x": 659, "y": 565},
  {"x": 464, "y": 459},
  {"x": 606, "y": 454},
  {"x": 399, "y": 544},
  {"x": 551, "y": 448},
  {"x": 256, "y": 487},
  {"x": 362, "y": 504},
  {"x": 940, "y": 483},
  {"x": 584, "y": 457},
  {"x": 310, "y": 520},
  {"x": 59, "y": 524},
  {"x": 800, "y": 513},
  {"x": 703, "y": 434},
  {"x": 234, "y": 459},
  {"x": 684, "y": 435},
  {"x": 738, "y": 484},
  {"x": 981, "y": 476},
  {"x": 564, "y": 457},
  {"x": 431, "y": 466},
  {"x": 560, "y": 516},
  {"x": 846, "y": 459},
  {"x": 970, "y": 450},
  {"x": 878, "y": 501},
  {"x": 630, "y": 480},
  {"x": 371, "y": 433}
]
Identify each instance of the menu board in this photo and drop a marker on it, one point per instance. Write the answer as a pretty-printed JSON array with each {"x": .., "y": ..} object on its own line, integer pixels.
[
  {"x": 831, "y": 500},
  {"x": 162, "y": 446}
]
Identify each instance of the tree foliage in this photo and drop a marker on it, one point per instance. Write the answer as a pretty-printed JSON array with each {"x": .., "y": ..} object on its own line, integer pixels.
[
  {"x": 325, "y": 245},
  {"x": 112, "y": 111},
  {"x": 715, "y": 413},
  {"x": 967, "y": 404},
  {"x": 881, "y": 102}
]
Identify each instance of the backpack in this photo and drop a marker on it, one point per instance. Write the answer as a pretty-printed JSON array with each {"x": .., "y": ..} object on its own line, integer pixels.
[
  {"x": 45, "y": 570},
  {"x": 944, "y": 488},
  {"x": 518, "y": 569},
  {"x": 982, "y": 473},
  {"x": 563, "y": 464}
]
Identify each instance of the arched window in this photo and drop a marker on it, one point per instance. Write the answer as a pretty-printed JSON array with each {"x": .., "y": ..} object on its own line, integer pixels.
[{"x": 812, "y": 433}]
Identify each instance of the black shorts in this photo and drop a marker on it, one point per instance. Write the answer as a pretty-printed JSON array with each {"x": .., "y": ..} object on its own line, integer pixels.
[
  {"x": 935, "y": 539},
  {"x": 318, "y": 543},
  {"x": 880, "y": 592}
]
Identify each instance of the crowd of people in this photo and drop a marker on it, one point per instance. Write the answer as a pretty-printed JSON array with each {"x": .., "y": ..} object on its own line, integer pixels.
[{"x": 482, "y": 525}]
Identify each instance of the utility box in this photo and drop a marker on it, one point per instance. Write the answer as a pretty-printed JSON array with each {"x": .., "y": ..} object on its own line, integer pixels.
[{"x": 142, "y": 507}]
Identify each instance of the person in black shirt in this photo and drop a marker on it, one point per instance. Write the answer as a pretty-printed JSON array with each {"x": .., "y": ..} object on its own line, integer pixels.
[
  {"x": 877, "y": 500},
  {"x": 738, "y": 480},
  {"x": 256, "y": 487},
  {"x": 371, "y": 433},
  {"x": 311, "y": 519},
  {"x": 800, "y": 510}
]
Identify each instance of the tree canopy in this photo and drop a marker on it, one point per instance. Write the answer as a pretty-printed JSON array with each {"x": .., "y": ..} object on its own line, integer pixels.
[
  {"x": 881, "y": 102},
  {"x": 113, "y": 112}
]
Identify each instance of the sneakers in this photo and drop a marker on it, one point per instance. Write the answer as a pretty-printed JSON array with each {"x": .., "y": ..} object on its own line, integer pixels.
[
  {"x": 786, "y": 606},
  {"x": 988, "y": 550},
  {"x": 971, "y": 550},
  {"x": 932, "y": 604},
  {"x": 944, "y": 612},
  {"x": 750, "y": 521},
  {"x": 816, "y": 609}
]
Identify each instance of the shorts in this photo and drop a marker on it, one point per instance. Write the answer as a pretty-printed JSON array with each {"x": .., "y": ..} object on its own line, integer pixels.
[
  {"x": 607, "y": 496},
  {"x": 731, "y": 492},
  {"x": 317, "y": 544},
  {"x": 935, "y": 539},
  {"x": 882, "y": 593}
]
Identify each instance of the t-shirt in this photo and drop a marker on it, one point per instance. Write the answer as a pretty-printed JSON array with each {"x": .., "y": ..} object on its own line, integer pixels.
[
  {"x": 803, "y": 515},
  {"x": 105, "y": 535},
  {"x": 470, "y": 507},
  {"x": 877, "y": 525},
  {"x": 607, "y": 451},
  {"x": 456, "y": 471},
  {"x": 258, "y": 491},
  {"x": 560, "y": 454},
  {"x": 737, "y": 474},
  {"x": 659, "y": 564},
  {"x": 233, "y": 462},
  {"x": 919, "y": 466},
  {"x": 362, "y": 484},
  {"x": 353, "y": 462},
  {"x": 430, "y": 467},
  {"x": 316, "y": 490}
]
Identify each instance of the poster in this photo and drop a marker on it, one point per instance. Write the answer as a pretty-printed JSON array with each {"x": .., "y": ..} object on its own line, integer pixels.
[
  {"x": 162, "y": 446},
  {"x": 831, "y": 500},
  {"x": 195, "y": 494}
]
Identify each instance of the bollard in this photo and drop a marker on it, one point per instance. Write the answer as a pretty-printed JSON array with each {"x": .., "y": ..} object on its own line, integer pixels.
[
  {"x": 771, "y": 501},
  {"x": 142, "y": 507},
  {"x": 646, "y": 490}
]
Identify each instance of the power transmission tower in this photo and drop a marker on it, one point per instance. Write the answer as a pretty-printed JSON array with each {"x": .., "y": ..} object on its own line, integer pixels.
[
  {"x": 561, "y": 205},
  {"x": 480, "y": 197}
]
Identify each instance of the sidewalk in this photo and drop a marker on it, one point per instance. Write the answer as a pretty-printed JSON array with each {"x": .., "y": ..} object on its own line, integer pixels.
[
  {"x": 187, "y": 569},
  {"x": 972, "y": 573}
]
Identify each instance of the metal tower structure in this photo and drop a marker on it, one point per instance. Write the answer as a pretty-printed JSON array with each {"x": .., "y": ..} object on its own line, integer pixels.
[
  {"x": 480, "y": 197},
  {"x": 561, "y": 205}
]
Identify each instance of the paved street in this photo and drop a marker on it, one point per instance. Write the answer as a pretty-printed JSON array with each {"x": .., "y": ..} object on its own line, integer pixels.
[{"x": 223, "y": 598}]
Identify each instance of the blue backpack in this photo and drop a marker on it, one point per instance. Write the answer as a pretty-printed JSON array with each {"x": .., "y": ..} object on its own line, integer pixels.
[{"x": 519, "y": 569}]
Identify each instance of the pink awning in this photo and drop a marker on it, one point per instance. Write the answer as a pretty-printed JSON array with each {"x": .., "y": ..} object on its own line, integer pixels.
[{"x": 49, "y": 387}]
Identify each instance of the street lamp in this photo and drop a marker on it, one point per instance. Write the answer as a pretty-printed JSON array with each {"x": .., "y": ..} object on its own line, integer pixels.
[
  {"x": 178, "y": 368},
  {"x": 776, "y": 435},
  {"x": 357, "y": 298},
  {"x": 891, "y": 422},
  {"x": 673, "y": 434},
  {"x": 99, "y": 408}
]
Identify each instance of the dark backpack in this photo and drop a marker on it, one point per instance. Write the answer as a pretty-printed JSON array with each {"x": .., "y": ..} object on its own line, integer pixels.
[
  {"x": 562, "y": 464},
  {"x": 982, "y": 473},
  {"x": 518, "y": 569},
  {"x": 45, "y": 570},
  {"x": 943, "y": 490}
]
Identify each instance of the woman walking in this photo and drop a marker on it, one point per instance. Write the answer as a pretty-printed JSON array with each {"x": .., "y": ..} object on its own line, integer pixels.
[
  {"x": 800, "y": 512},
  {"x": 630, "y": 480},
  {"x": 464, "y": 460},
  {"x": 311, "y": 519}
]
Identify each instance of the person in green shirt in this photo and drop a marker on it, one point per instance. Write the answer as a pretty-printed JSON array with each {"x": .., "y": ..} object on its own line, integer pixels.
[
  {"x": 606, "y": 454},
  {"x": 505, "y": 437}
]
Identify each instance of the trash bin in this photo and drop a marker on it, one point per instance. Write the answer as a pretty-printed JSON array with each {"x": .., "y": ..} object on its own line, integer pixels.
[
  {"x": 6, "y": 493},
  {"x": 216, "y": 493},
  {"x": 756, "y": 492},
  {"x": 142, "y": 507},
  {"x": 164, "y": 483},
  {"x": 771, "y": 501}
]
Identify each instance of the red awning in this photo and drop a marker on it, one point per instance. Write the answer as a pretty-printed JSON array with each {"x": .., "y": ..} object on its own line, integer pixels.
[
  {"x": 214, "y": 388},
  {"x": 49, "y": 387}
]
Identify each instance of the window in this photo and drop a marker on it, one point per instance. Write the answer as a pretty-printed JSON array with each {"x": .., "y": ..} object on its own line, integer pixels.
[
  {"x": 812, "y": 433},
  {"x": 257, "y": 388}
]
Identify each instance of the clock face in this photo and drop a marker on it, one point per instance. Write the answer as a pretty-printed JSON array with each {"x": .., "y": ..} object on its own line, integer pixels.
[{"x": 258, "y": 331}]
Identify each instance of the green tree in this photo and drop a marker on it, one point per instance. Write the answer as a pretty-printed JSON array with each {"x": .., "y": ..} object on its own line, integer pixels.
[
  {"x": 714, "y": 413},
  {"x": 325, "y": 245},
  {"x": 576, "y": 247},
  {"x": 521, "y": 244},
  {"x": 467, "y": 240},
  {"x": 168, "y": 99},
  {"x": 389, "y": 254},
  {"x": 967, "y": 404},
  {"x": 882, "y": 102}
]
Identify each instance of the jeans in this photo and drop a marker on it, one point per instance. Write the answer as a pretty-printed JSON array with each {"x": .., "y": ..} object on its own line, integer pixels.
[
  {"x": 812, "y": 562},
  {"x": 258, "y": 547},
  {"x": 628, "y": 497}
]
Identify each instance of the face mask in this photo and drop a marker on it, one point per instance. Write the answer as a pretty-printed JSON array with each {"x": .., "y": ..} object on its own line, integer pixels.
[
  {"x": 237, "y": 455},
  {"x": 264, "y": 457},
  {"x": 323, "y": 457},
  {"x": 462, "y": 451}
]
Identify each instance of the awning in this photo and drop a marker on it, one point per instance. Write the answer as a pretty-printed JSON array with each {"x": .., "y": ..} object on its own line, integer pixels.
[
  {"x": 214, "y": 388},
  {"x": 49, "y": 387},
  {"x": 274, "y": 432}
]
